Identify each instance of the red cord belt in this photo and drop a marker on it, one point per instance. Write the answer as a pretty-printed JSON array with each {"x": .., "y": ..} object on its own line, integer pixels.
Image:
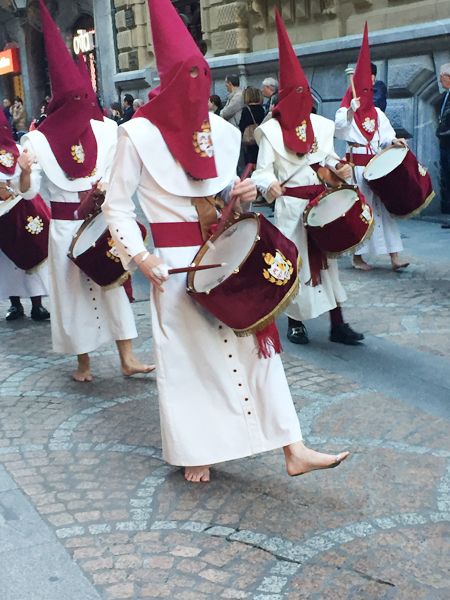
[
  {"x": 65, "y": 211},
  {"x": 176, "y": 235},
  {"x": 359, "y": 160}
]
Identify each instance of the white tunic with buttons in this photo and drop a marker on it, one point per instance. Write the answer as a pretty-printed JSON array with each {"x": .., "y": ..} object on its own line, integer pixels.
[
  {"x": 14, "y": 281},
  {"x": 278, "y": 163},
  {"x": 84, "y": 316},
  {"x": 386, "y": 236},
  {"x": 218, "y": 400}
]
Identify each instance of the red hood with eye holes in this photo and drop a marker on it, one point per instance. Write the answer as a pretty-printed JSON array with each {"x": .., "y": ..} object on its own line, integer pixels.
[
  {"x": 67, "y": 126},
  {"x": 180, "y": 108},
  {"x": 296, "y": 101}
]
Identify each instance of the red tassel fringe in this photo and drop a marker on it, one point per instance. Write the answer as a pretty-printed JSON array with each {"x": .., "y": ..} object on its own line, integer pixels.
[
  {"x": 269, "y": 339},
  {"x": 317, "y": 262}
]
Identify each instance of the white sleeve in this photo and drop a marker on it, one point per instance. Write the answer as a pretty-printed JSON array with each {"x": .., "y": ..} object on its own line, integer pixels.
[
  {"x": 264, "y": 175},
  {"x": 342, "y": 124},
  {"x": 118, "y": 207},
  {"x": 386, "y": 131}
]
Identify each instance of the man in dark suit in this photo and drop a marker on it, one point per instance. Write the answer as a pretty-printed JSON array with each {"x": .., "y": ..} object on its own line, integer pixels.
[{"x": 128, "y": 110}]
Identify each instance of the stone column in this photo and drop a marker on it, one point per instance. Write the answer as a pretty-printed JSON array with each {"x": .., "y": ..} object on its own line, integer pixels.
[{"x": 106, "y": 52}]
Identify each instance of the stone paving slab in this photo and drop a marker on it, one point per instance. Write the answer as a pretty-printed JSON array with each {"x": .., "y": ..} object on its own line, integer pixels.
[{"x": 88, "y": 459}]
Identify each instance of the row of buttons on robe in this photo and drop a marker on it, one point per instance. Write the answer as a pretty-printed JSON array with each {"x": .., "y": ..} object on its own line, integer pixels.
[
  {"x": 126, "y": 248},
  {"x": 235, "y": 370},
  {"x": 94, "y": 300}
]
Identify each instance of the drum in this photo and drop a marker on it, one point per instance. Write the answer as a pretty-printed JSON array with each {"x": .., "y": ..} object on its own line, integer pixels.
[
  {"x": 24, "y": 229},
  {"x": 339, "y": 220},
  {"x": 257, "y": 283},
  {"x": 400, "y": 181},
  {"x": 93, "y": 251}
]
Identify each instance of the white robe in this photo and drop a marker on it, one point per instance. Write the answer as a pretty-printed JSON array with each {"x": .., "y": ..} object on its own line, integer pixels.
[
  {"x": 277, "y": 163},
  {"x": 218, "y": 400},
  {"x": 15, "y": 281},
  {"x": 386, "y": 236},
  {"x": 84, "y": 316}
]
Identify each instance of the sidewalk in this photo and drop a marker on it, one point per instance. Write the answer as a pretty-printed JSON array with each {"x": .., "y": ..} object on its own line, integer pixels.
[{"x": 89, "y": 510}]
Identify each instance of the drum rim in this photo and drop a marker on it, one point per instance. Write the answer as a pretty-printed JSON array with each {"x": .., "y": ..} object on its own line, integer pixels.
[
  {"x": 372, "y": 160},
  {"x": 80, "y": 231},
  {"x": 212, "y": 239},
  {"x": 9, "y": 201},
  {"x": 308, "y": 209}
]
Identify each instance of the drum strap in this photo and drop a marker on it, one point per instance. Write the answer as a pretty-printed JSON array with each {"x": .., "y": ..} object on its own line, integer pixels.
[
  {"x": 306, "y": 192},
  {"x": 356, "y": 160},
  {"x": 206, "y": 208}
]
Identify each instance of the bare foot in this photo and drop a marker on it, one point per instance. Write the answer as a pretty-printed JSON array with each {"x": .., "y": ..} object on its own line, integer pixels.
[
  {"x": 359, "y": 263},
  {"x": 135, "y": 366},
  {"x": 196, "y": 474},
  {"x": 83, "y": 373},
  {"x": 397, "y": 262},
  {"x": 300, "y": 459}
]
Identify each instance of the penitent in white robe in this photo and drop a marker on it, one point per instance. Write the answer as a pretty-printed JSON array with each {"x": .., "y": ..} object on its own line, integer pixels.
[
  {"x": 386, "y": 236},
  {"x": 84, "y": 316},
  {"x": 218, "y": 400},
  {"x": 15, "y": 281},
  {"x": 278, "y": 163}
]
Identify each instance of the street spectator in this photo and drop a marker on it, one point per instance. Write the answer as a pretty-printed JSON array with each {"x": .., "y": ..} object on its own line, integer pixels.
[
  {"x": 128, "y": 110},
  {"x": 443, "y": 134},
  {"x": 215, "y": 104},
  {"x": 42, "y": 116},
  {"x": 232, "y": 110},
  {"x": 252, "y": 116},
  {"x": 269, "y": 88},
  {"x": 137, "y": 103},
  {"x": 379, "y": 90},
  {"x": 115, "y": 110},
  {"x": 19, "y": 117},
  {"x": 272, "y": 103},
  {"x": 7, "y": 110}
]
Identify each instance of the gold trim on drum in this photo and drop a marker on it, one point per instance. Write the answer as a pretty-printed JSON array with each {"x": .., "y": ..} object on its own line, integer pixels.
[
  {"x": 416, "y": 212},
  {"x": 276, "y": 312},
  {"x": 37, "y": 268},
  {"x": 354, "y": 248}
]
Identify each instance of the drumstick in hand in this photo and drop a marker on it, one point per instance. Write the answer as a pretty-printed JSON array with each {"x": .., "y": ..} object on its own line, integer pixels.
[{"x": 195, "y": 268}]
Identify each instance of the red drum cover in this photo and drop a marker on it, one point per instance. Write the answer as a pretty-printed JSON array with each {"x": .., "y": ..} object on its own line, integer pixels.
[
  {"x": 266, "y": 282},
  {"x": 100, "y": 261},
  {"x": 24, "y": 233},
  {"x": 407, "y": 190},
  {"x": 352, "y": 225}
]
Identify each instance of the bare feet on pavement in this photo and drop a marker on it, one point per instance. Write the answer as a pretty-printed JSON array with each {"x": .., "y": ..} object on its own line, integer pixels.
[
  {"x": 359, "y": 263},
  {"x": 133, "y": 366},
  {"x": 397, "y": 262},
  {"x": 83, "y": 373},
  {"x": 196, "y": 474},
  {"x": 300, "y": 459}
]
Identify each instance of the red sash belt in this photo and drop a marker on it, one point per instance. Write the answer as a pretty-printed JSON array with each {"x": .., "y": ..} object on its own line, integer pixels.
[
  {"x": 359, "y": 160},
  {"x": 305, "y": 192},
  {"x": 65, "y": 211},
  {"x": 176, "y": 235}
]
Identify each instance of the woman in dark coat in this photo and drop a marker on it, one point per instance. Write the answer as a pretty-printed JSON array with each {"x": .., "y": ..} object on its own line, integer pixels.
[{"x": 252, "y": 113}]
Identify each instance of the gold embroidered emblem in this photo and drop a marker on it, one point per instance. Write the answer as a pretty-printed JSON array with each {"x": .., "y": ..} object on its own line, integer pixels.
[
  {"x": 35, "y": 225},
  {"x": 280, "y": 268},
  {"x": 422, "y": 170},
  {"x": 112, "y": 252},
  {"x": 369, "y": 125},
  {"x": 301, "y": 131},
  {"x": 366, "y": 214},
  {"x": 6, "y": 159},
  {"x": 203, "y": 142},
  {"x": 78, "y": 153},
  {"x": 314, "y": 147}
]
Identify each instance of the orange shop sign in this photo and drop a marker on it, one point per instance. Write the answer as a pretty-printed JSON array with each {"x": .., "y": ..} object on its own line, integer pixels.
[{"x": 9, "y": 61}]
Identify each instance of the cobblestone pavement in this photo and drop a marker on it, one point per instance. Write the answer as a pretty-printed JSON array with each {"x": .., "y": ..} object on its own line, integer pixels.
[{"x": 88, "y": 458}]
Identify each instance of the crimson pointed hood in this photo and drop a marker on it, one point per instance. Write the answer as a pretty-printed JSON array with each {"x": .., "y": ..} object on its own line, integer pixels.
[
  {"x": 294, "y": 107},
  {"x": 180, "y": 109},
  {"x": 366, "y": 116},
  {"x": 67, "y": 126},
  {"x": 84, "y": 72},
  {"x": 9, "y": 152}
]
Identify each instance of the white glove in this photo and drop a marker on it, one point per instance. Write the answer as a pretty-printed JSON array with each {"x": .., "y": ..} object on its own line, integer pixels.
[
  {"x": 161, "y": 271},
  {"x": 355, "y": 104}
]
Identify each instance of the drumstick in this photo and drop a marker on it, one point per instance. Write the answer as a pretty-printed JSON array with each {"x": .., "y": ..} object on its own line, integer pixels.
[
  {"x": 195, "y": 268},
  {"x": 350, "y": 71}
]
